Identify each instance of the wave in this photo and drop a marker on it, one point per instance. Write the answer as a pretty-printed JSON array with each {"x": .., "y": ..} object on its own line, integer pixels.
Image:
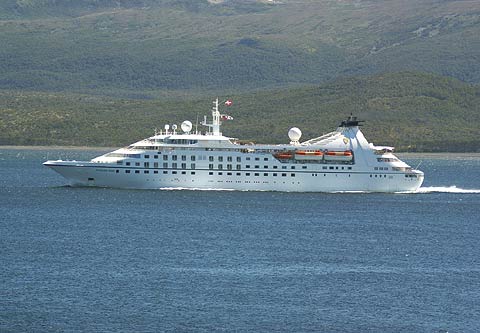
[
  {"x": 193, "y": 189},
  {"x": 421, "y": 190},
  {"x": 445, "y": 189}
]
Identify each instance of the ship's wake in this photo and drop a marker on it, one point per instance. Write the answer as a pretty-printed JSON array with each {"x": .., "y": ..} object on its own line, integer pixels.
[
  {"x": 421, "y": 190},
  {"x": 195, "y": 189},
  {"x": 445, "y": 189}
]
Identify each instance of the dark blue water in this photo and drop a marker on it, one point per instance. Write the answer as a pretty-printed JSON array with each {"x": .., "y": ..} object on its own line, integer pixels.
[{"x": 84, "y": 259}]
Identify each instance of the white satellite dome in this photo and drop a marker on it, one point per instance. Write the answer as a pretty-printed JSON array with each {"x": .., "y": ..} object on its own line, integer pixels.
[
  {"x": 294, "y": 134},
  {"x": 186, "y": 126}
]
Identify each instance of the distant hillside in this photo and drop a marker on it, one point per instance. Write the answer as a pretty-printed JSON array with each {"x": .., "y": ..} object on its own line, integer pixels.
[
  {"x": 412, "y": 111},
  {"x": 151, "y": 48}
]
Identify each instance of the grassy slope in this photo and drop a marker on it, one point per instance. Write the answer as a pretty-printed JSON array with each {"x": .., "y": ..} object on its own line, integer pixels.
[
  {"x": 409, "y": 110},
  {"x": 141, "y": 48}
]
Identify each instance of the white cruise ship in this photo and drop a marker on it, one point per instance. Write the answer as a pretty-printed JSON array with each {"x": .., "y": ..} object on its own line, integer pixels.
[{"x": 340, "y": 161}]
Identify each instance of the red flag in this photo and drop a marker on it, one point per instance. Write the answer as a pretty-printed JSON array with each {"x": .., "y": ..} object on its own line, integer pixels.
[{"x": 228, "y": 102}]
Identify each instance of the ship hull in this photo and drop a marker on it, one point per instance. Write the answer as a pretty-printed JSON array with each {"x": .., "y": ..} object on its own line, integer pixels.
[{"x": 94, "y": 174}]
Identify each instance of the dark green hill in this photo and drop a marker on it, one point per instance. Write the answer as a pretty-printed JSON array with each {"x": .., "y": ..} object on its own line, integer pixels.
[
  {"x": 412, "y": 111},
  {"x": 150, "y": 48}
]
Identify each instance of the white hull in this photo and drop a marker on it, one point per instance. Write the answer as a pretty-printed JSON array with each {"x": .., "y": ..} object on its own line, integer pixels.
[
  {"x": 92, "y": 174},
  {"x": 213, "y": 161}
]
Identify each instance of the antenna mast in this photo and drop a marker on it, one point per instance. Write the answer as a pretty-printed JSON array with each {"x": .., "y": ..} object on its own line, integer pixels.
[{"x": 215, "y": 125}]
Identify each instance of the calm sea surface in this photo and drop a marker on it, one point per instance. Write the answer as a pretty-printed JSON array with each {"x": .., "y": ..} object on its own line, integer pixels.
[{"x": 106, "y": 260}]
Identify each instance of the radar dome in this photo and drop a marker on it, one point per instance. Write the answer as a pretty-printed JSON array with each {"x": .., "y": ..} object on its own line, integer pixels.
[
  {"x": 294, "y": 134},
  {"x": 186, "y": 126}
]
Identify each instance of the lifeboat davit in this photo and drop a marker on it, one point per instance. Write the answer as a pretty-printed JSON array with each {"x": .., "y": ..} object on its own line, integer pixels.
[{"x": 332, "y": 155}]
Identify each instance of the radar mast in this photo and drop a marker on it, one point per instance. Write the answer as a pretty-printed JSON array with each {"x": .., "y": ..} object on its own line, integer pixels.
[{"x": 215, "y": 124}]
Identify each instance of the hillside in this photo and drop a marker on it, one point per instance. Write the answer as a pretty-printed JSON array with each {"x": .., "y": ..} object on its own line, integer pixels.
[
  {"x": 412, "y": 111},
  {"x": 152, "y": 48}
]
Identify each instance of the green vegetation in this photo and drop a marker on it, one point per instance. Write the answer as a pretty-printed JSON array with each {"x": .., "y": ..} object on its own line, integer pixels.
[
  {"x": 158, "y": 48},
  {"x": 412, "y": 111}
]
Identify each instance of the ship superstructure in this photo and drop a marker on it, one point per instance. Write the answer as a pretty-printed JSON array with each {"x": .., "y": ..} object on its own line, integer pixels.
[{"x": 342, "y": 160}]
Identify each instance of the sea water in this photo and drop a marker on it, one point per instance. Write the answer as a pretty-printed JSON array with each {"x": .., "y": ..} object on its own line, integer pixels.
[{"x": 108, "y": 260}]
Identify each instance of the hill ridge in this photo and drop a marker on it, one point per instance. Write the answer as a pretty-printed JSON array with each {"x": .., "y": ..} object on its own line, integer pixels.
[{"x": 151, "y": 47}]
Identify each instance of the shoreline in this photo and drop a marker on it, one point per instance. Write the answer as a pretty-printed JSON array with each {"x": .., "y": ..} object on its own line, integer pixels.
[
  {"x": 83, "y": 148},
  {"x": 438, "y": 155}
]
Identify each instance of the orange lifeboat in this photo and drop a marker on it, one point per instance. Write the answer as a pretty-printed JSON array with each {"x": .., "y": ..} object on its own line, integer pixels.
[
  {"x": 346, "y": 155},
  {"x": 339, "y": 153},
  {"x": 283, "y": 155},
  {"x": 308, "y": 155}
]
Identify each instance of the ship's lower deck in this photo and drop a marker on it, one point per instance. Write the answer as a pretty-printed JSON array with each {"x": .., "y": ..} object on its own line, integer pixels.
[{"x": 101, "y": 175}]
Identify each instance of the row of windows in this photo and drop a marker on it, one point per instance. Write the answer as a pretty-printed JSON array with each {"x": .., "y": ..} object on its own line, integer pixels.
[
  {"x": 156, "y": 165},
  {"x": 124, "y": 155},
  {"x": 177, "y": 141},
  {"x": 210, "y": 173},
  {"x": 192, "y": 157},
  {"x": 156, "y": 172},
  {"x": 378, "y": 176},
  {"x": 387, "y": 159},
  {"x": 401, "y": 168},
  {"x": 249, "y": 174},
  {"x": 211, "y": 166},
  {"x": 380, "y": 168},
  {"x": 246, "y": 174},
  {"x": 165, "y": 165}
]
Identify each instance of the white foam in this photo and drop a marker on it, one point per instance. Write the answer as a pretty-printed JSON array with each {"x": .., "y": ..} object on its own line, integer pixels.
[
  {"x": 430, "y": 189},
  {"x": 445, "y": 189},
  {"x": 192, "y": 189}
]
